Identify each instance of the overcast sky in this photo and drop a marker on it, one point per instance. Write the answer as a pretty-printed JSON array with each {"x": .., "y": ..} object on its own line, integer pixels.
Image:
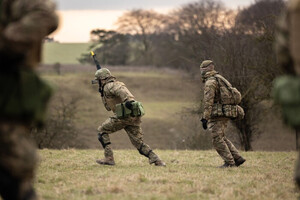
[
  {"x": 79, "y": 17},
  {"x": 131, "y": 4}
]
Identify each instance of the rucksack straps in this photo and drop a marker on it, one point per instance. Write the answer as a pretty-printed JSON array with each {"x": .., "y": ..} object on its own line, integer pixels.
[{"x": 224, "y": 80}]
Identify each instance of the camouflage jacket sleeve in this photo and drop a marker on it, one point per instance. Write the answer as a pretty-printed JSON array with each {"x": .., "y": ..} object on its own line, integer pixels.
[
  {"x": 282, "y": 44},
  {"x": 120, "y": 90},
  {"x": 32, "y": 20},
  {"x": 210, "y": 88}
]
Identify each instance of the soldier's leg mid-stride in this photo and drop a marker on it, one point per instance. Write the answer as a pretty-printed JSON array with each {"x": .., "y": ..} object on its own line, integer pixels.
[
  {"x": 134, "y": 131},
  {"x": 223, "y": 146}
]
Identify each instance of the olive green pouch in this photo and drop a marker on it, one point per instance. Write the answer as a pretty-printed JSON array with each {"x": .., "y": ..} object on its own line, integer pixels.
[
  {"x": 24, "y": 96},
  {"x": 121, "y": 111},
  {"x": 137, "y": 109},
  {"x": 286, "y": 93}
]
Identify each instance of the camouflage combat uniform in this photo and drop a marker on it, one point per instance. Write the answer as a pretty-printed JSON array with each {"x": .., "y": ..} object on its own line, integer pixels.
[
  {"x": 23, "y": 95},
  {"x": 288, "y": 53},
  {"x": 217, "y": 125},
  {"x": 115, "y": 92}
]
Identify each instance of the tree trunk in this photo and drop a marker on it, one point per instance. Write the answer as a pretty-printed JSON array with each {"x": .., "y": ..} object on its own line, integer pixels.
[{"x": 245, "y": 134}]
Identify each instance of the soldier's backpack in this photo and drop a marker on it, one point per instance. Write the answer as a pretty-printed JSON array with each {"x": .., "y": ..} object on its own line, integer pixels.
[{"x": 230, "y": 97}]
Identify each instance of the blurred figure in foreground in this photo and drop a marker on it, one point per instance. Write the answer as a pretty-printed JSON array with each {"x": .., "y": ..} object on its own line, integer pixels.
[
  {"x": 23, "y": 95},
  {"x": 287, "y": 88}
]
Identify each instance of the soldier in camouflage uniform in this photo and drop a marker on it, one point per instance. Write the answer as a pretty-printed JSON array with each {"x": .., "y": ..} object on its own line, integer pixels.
[
  {"x": 23, "y": 95},
  {"x": 217, "y": 125},
  {"x": 115, "y": 92},
  {"x": 288, "y": 52}
]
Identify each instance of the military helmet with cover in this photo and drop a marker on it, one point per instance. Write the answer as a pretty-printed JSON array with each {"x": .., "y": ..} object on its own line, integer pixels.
[
  {"x": 206, "y": 66},
  {"x": 206, "y": 63},
  {"x": 102, "y": 74}
]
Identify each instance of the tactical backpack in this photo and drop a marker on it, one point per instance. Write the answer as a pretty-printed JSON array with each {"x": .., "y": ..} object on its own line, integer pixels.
[
  {"x": 230, "y": 97},
  {"x": 123, "y": 112}
]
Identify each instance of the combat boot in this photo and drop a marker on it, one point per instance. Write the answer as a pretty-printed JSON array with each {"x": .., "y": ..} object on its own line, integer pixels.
[
  {"x": 160, "y": 163},
  {"x": 106, "y": 161},
  {"x": 226, "y": 165},
  {"x": 239, "y": 161}
]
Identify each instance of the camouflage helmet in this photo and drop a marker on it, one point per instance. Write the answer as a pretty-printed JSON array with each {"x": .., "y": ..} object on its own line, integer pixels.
[
  {"x": 102, "y": 74},
  {"x": 206, "y": 63}
]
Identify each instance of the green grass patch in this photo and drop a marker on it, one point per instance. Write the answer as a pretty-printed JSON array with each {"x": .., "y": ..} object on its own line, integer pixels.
[{"x": 63, "y": 53}]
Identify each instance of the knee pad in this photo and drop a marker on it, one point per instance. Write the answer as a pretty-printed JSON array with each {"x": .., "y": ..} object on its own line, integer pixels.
[
  {"x": 142, "y": 152},
  {"x": 101, "y": 140}
]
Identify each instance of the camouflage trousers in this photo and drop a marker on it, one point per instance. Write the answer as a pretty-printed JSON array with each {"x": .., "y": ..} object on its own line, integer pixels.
[
  {"x": 18, "y": 161},
  {"x": 134, "y": 131},
  {"x": 223, "y": 146}
]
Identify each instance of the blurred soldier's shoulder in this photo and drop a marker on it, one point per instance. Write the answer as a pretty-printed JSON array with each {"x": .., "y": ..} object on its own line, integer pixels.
[{"x": 294, "y": 5}]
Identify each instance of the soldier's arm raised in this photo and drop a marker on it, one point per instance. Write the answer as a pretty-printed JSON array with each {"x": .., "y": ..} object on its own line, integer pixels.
[{"x": 209, "y": 95}]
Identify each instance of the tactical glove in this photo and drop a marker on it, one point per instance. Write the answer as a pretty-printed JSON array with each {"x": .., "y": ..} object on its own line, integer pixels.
[
  {"x": 204, "y": 123},
  {"x": 128, "y": 104}
]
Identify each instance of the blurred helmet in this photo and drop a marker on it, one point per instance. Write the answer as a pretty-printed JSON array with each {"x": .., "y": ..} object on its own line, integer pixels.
[
  {"x": 102, "y": 74},
  {"x": 206, "y": 63},
  {"x": 206, "y": 66}
]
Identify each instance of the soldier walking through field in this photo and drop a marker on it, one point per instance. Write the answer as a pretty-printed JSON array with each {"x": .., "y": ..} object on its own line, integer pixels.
[
  {"x": 220, "y": 105},
  {"x": 127, "y": 115},
  {"x": 23, "y": 95}
]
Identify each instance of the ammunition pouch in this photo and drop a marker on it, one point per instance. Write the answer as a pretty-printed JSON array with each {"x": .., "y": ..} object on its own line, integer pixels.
[
  {"x": 230, "y": 111},
  {"x": 137, "y": 109},
  {"x": 123, "y": 112}
]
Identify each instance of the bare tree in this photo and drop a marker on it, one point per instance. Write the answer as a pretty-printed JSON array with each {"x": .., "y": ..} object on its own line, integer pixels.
[
  {"x": 195, "y": 30},
  {"x": 143, "y": 24}
]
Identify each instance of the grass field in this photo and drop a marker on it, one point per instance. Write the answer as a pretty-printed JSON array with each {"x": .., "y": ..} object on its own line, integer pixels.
[
  {"x": 63, "y": 53},
  {"x": 74, "y": 174}
]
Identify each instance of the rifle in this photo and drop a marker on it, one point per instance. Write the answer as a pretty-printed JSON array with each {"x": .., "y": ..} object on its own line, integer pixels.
[{"x": 98, "y": 66}]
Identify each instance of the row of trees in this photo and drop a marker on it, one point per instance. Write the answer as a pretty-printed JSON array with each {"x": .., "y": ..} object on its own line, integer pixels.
[{"x": 240, "y": 43}]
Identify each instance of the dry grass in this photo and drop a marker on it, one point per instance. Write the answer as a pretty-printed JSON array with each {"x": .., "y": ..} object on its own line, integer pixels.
[{"x": 73, "y": 174}]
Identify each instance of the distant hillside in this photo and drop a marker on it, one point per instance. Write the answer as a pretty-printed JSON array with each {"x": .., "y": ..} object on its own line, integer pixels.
[{"x": 64, "y": 53}]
